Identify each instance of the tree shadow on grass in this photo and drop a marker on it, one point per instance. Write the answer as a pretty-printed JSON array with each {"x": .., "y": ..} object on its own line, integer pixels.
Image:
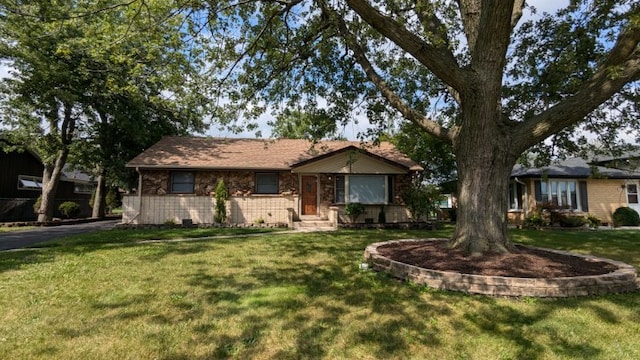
[{"x": 309, "y": 287}]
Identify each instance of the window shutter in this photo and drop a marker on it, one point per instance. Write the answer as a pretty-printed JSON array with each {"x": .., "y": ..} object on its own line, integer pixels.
[
  {"x": 538, "y": 191},
  {"x": 584, "y": 201}
]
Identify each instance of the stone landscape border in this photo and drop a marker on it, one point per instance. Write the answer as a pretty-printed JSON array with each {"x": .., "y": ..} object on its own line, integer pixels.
[{"x": 624, "y": 279}]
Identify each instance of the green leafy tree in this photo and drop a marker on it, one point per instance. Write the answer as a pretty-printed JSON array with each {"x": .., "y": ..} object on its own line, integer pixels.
[
  {"x": 421, "y": 200},
  {"x": 312, "y": 125},
  {"x": 94, "y": 84},
  {"x": 434, "y": 155},
  {"x": 468, "y": 72}
]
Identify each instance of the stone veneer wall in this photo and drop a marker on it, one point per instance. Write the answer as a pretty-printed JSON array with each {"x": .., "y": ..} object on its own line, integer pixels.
[{"x": 238, "y": 183}]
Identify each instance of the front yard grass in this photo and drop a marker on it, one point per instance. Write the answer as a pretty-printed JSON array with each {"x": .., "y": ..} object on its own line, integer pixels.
[{"x": 290, "y": 296}]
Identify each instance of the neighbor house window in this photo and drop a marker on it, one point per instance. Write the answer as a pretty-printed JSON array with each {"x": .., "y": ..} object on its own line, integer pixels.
[
  {"x": 182, "y": 182},
  {"x": 26, "y": 182},
  {"x": 632, "y": 193},
  {"x": 266, "y": 183},
  {"x": 515, "y": 196},
  {"x": 82, "y": 188},
  {"x": 560, "y": 193},
  {"x": 365, "y": 189}
]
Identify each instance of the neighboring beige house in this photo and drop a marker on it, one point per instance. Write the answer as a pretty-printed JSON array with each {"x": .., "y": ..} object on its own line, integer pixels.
[
  {"x": 272, "y": 181},
  {"x": 595, "y": 187}
]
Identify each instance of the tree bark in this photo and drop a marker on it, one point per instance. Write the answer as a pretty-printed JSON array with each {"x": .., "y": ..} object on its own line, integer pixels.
[
  {"x": 483, "y": 183},
  {"x": 485, "y": 158},
  {"x": 53, "y": 172},
  {"x": 50, "y": 179},
  {"x": 100, "y": 197}
]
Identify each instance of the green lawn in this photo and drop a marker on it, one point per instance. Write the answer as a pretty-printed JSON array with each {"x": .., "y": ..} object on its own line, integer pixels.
[{"x": 289, "y": 296}]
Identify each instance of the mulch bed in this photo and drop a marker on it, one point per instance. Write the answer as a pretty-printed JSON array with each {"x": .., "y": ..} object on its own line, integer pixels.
[{"x": 527, "y": 263}]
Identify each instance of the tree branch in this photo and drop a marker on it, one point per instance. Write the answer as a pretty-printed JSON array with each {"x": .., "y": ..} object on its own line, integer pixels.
[
  {"x": 437, "y": 58},
  {"x": 394, "y": 100},
  {"x": 621, "y": 66}
]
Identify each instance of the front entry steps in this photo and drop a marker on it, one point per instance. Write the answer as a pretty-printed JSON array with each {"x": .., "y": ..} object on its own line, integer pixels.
[{"x": 313, "y": 224}]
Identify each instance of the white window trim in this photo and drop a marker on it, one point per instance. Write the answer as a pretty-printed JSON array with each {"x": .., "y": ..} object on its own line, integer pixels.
[
  {"x": 569, "y": 202},
  {"x": 347, "y": 185},
  {"x": 514, "y": 191},
  {"x": 637, "y": 193},
  {"x": 36, "y": 180}
]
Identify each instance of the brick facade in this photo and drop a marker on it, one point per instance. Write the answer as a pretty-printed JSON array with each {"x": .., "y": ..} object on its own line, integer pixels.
[{"x": 604, "y": 197}]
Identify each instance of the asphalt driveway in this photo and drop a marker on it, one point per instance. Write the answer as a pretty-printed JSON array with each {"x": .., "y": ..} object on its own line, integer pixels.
[{"x": 22, "y": 238}]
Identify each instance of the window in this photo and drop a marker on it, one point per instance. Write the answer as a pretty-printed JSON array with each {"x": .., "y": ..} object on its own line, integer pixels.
[
  {"x": 266, "y": 183},
  {"x": 365, "y": 189},
  {"x": 561, "y": 193},
  {"x": 446, "y": 202},
  {"x": 182, "y": 182},
  {"x": 26, "y": 182},
  {"x": 82, "y": 188},
  {"x": 515, "y": 196},
  {"x": 340, "y": 193},
  {"x": 632, "y": 193}
]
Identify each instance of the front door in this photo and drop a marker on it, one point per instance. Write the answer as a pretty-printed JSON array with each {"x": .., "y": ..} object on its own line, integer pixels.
[
  {"x": 309, "y": 195},
  {"x": 633, "y": 196}
]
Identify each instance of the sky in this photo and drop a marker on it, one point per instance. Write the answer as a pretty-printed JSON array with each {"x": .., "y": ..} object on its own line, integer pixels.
[{"x": 360, "y": 124}]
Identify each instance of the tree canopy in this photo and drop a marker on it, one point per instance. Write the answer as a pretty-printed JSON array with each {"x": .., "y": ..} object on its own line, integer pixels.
[
  {"x": 95, "y": 83},
  {"x": 468, "y": 72}
]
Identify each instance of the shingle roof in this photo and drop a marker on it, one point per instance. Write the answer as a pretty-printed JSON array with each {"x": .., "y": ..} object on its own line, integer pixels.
[
  {"x": 256, "y": 154},
  {"x": 574, "y": 168}
]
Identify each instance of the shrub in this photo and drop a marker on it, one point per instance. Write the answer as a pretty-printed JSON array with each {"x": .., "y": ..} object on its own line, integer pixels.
[
  {"x": 535, "y": 219},
  {"x": 382, "y": 217},
  {"x": 625, "y": 216},
  {"x": 69, "y": 209},
  {"x": 572, "y": 221},
  {"x": 113, "y": 199},
  {"x": 353, "y": 211},
  {"x": 593, "y": 221},
  {"x": 36, "y": 205},
  {"x": 221, "y": 196},
  {"x": 421, "y": 200}
]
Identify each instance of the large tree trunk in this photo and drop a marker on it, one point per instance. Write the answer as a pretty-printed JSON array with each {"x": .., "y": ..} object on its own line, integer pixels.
[
  {"x": 50, "y": 179},
  {"x": 52, "y": 172},
  {"x": 485, "y": 157},
  {"x": 483, "y": 183},
  {"x": 100, "y": 198}
]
